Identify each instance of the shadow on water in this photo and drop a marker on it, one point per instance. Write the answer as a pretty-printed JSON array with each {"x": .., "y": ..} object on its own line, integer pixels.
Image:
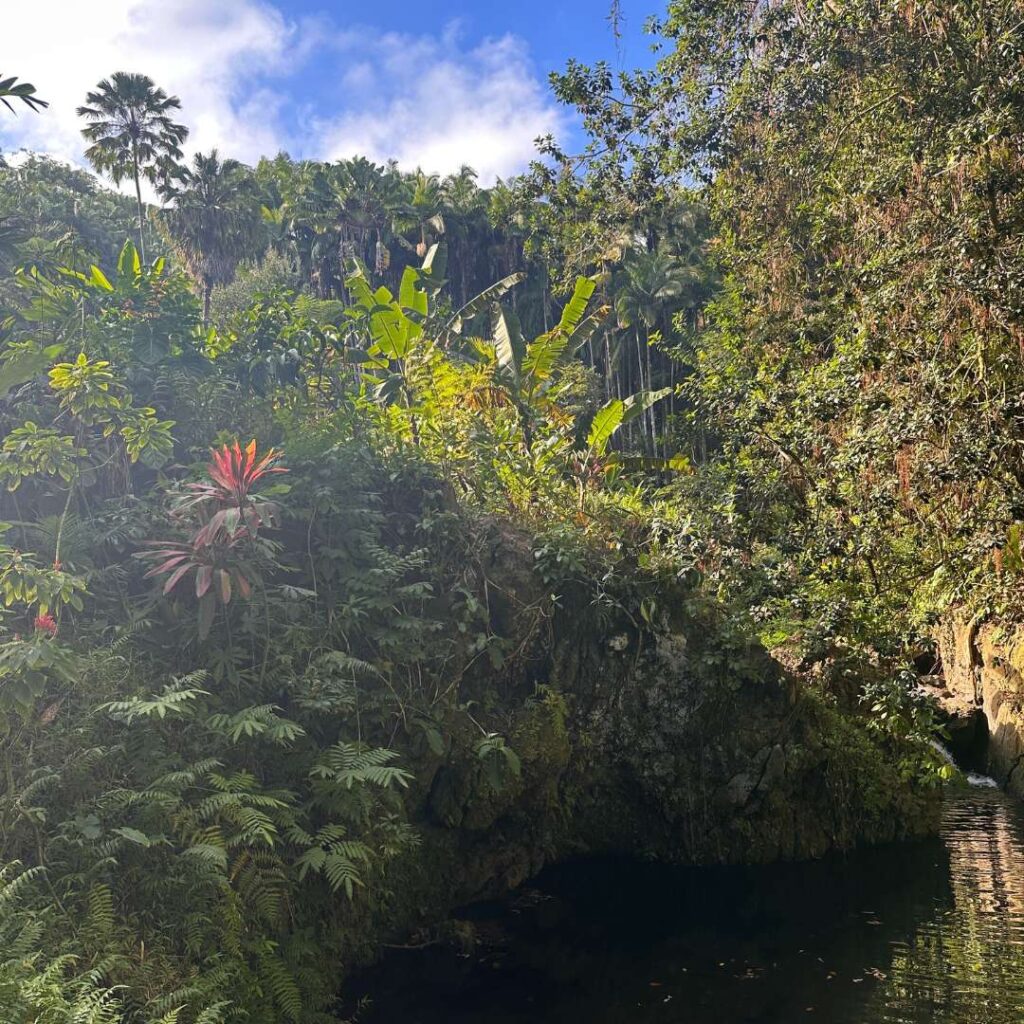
[{"x": 930, "y": 931}]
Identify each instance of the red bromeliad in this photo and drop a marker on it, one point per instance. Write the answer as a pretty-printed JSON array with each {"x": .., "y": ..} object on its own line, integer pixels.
[
  {"x": 234, "y": 472},
  {"x": 228, "y": 514}
]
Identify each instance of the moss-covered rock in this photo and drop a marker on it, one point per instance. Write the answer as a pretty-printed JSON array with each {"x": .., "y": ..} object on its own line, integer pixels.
[{"x": 676, "y": 743}]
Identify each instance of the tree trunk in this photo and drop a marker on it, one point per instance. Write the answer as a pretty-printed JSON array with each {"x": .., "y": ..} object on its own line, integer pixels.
[
  {"x": 609, "y": 380},
  {"x": 650, "y": 412},
  {"x": 671, "y": 400},
  {"x": 138, "y": 199},
  {"x": 207, "y": 293},
  {"x": 640, "y": 373}
]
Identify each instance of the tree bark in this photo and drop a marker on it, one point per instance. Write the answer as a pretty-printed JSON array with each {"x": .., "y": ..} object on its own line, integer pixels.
[{"x": 138, "y": 199}]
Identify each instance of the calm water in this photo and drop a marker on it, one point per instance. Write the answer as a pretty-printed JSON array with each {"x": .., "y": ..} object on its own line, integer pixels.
[{"x": 924, "y": 932}]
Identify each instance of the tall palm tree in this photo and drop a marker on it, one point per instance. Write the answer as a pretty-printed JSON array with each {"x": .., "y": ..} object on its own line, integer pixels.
[
  {"x": 468, "y": 230},
  {"x": 652, "y": 287},
  {"x": 369, "y": 199},
  {"x": 423, "y": 212},
  {"x": 131, "y": 132},
  {"x": 306, "y": 218},
  {"x": 214, "y": 219}
]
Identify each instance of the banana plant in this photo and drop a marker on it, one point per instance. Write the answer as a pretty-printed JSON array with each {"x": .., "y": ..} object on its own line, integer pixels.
[
  {"x": 480, "y": 304},
  {"x": 395, "y": 326},
  {"x": 595, "y": 459},
  {"x": 614, "y": 415},
  {"x": 524, "y": 370}
]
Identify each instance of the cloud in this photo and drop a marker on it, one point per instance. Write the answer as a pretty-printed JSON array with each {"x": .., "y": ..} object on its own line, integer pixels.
[
  {"x": 253, "y": 81},
  {"x": 211, "y": 55},
  {"x": 429, "y": 102}
]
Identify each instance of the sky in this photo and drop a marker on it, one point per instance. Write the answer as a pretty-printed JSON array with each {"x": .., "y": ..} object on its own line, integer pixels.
[{"x": 434, "y": 86}]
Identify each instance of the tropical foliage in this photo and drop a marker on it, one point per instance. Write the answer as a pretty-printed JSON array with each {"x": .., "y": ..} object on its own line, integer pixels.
[
  {"x": 11, "y": 88},
  {"x": 761, "y": 345}
]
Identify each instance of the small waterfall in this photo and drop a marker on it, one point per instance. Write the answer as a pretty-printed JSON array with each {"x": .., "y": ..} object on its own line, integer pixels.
[{"x": 973, "y": 778}]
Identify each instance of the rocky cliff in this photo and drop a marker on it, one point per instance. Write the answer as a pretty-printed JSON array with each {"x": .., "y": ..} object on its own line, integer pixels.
[
  {"x": 982, "y": 692},
  {"x": 671, "y": 741}
]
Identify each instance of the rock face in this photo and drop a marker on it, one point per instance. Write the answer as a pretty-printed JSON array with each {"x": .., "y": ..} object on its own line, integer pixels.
[
  {"x": 656, "y": 735},
  {"x": 676, "y": 743},
  {"x": 713, "y": 754},
  {"x": 983, "y": 674}
]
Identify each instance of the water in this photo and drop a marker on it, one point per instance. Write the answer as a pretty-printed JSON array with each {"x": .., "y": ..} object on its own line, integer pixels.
[
  {"x": 973, "y": 778},
  {"x": 906, "y": 934}
]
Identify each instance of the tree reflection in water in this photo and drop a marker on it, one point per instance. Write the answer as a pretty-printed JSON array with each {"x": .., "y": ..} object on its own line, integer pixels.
[{"x": 966, "y": 963}]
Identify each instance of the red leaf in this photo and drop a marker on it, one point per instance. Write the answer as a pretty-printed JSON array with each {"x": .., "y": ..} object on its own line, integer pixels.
[
  {"x": 207, "y": 534},
  {"x": 165, "y": 566},
  {"x": 204, "y": 577},
  {"x": 172, "y": 580},
  {"x": 250, "y": 458},
  {"x": 224, "y": 585}
]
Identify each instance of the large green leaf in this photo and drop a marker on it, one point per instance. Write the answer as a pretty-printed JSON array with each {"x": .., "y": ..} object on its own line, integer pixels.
[
  {"x": 639, "y": 403},
  {"x": 509, "y": 346},
  {"x": 392, "y": 332},
  {"x": 99, "y": 279},
  {"x": 571, "y": 333},
  {"x": 477, "y": 305},
  {"x": 576, "y": 308},
  {"x": 606, "y": 421},
  {"x": 411, "y": 294},
  {"x": 617, "y": 413},
  {"x": 360, "y": 290},
  {"x": 24, "y": 365},
  {"x": 586, "y": 329},
  {"x": 129, "y": 265},
  {"x": 543, "y": 354}
]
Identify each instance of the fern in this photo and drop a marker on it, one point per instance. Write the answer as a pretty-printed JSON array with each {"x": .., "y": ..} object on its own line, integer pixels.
[
  {"x": 174, "y": 701},
  {"x": 100, "y": 915},
  {"x": 260, "y": 720},
  {"x": 280, "y": 983},
  {"x": 262, "y": 882},
  {"x": 351, "y": 764}
]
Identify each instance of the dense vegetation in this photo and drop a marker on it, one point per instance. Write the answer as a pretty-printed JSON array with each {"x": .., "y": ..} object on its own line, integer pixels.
[
  {"x": 860, "y": 375},
  {"x": 758, "y": 352}
]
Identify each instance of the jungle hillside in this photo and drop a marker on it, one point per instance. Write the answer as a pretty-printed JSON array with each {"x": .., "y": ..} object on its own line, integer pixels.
[{"x": 372, "y": 538}]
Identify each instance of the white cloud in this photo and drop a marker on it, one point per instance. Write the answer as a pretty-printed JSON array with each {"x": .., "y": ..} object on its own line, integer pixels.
[
  {"x": 208, "y": 54},
  {"x": 429, "y": 102},
  {"x": 424, "y": 100}
]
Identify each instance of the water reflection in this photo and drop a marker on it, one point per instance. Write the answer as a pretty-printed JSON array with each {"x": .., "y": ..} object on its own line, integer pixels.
[
  {"x": 966, "y": 963},
  {"x": 927, "y": 932}
]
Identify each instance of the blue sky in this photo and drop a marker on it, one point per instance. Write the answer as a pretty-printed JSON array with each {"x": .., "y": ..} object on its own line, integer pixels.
[{"x": 436, "y": 86}]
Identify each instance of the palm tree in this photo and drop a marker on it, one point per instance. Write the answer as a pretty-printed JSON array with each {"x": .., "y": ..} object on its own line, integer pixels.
[
  {"x": 24, "y": 91},
  {"x": 131, "y": 132},
  {"x": 423, "y": 211},
  {"x": 369, "y": 199},
  {"x": 214, "y": 221},
  {"x": 305, "y": 217},
  {"x": 468, "y": 231},
  {"x": 652, "y": 287}
]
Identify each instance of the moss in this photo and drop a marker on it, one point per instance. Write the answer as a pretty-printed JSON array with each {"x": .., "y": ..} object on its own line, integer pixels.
[{"x": 690, "y": 748}]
